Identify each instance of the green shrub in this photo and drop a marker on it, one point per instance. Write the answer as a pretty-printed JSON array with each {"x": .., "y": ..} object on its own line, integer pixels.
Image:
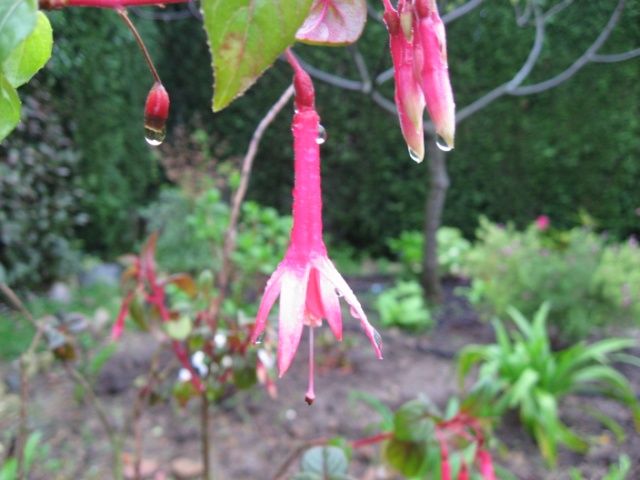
[
  {"x": 617, "y": 279},
  {"x": 40, "y": 199},
  {"x": 521, "y": 372},
  {"x": 403, "y": 306},
  {"x": 523, "y": 269},
  {"x": 193, "y": 235},
  {"x": 452, "y": 248}
]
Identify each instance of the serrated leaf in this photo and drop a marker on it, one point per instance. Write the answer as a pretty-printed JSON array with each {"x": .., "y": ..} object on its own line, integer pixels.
[
  {"x": 326, "y": 461},
  {"x": 334, "y": 22},
  {"x": 31, "y": 54},
  {"x": 246, "y": 37},
  {"x": 406, "y": 457},
  {"x": 17, "y": 19},
  {"x": 9, "y": 107},
  {"x": 412, "y": 422}
]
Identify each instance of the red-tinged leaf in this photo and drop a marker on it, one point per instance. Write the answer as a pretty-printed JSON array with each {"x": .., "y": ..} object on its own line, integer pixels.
[
  {"x": 184, "y": 282},
  {"x": 245, "y": 38},
  {"x": 148, "y": 253},
  {"x": 118, "y": 327},
  {"x": 334, "y": 22}
]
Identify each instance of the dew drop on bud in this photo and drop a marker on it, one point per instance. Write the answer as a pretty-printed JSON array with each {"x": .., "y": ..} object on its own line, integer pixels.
[
  {"x": 260, "y": 338},
  {"x": 156, "y": 112},
  {"x": 442, "y": 144},
  {"x": 414, "y": 156},
  {"x": 322, "y": 135}
]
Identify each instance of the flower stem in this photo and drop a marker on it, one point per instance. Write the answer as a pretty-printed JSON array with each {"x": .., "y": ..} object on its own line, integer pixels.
[
  {"x": 115, "y": 4},
  {"x": 369, "y": 440},
  {"x": 123, "y": 14}
]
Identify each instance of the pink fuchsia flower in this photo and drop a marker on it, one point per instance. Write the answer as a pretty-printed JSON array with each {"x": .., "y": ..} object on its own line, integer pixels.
[
  {"x": 542, "y": 222},
  {"x": 430, "y": 57},
  {"x": 308, "y": 284},
  {"x": 409, "y": 98}
]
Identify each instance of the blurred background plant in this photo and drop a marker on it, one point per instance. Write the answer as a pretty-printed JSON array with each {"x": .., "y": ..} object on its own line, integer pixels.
[
  {"x": 521, "y": 372},
  {"x": 588, "y": 282}
]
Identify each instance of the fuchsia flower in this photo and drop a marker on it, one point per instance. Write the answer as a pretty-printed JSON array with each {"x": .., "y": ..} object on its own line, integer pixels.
[
  {"x": 308, "y": 284},
  {"x": 542, "y": 222},
  {"x": 408, "y": 96},
  {"x": 419, "y": 54}
]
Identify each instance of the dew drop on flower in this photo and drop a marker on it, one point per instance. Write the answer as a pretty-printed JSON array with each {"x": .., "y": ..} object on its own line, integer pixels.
[
  {"x": 442, "y": 144},
  {"x": 154, "y": 137},
  {"x": 260, "y": 338},
  {"x": 377, "y": 338},
  {"x": 338, "y": 293},
  {"x": 322, "y": 135},
  {"x": 414, "y": 156}
]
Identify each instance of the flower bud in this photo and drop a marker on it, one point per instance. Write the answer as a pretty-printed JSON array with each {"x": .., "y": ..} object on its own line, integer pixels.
[{"x": 156, "y": 112}]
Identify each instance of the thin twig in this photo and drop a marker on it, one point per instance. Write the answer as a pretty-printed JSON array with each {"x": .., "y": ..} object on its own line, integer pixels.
[
  {"x": 204, "y": 439},
  {"x": 247, "y": 164},
  {"x": 123, "y": 14},
  {"x": 24, "y": 378},
  {"x": 113, "y": 436}
]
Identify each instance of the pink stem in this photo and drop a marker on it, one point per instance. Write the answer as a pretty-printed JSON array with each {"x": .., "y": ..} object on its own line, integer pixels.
[
  {"x": 369, "y": 440},
  {"x": 115, "y": 4}
]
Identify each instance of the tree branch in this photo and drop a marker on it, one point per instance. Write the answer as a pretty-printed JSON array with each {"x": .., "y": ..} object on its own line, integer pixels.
[
  {"x": 461, "y": 11},
  {"x": 331, "y": 79},
  {"x": 579, "y": 63},
  {"x": 363, "y": 71},
  {"x": 615, "y": 57}
]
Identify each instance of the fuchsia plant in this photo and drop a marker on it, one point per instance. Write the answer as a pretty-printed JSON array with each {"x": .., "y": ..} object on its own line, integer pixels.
[{"x": 308, "y": 284}]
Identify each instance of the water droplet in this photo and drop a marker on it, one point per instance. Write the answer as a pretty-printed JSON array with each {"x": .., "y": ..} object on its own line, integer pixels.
[
  {"x": 442, "y": 144},
  {"x": 154, "y": 137},
  {"x": 377, "y": 338},
  {"x": 260, "y": 338},
  {"x": 322, "y": 135},
  {"x": 414, "y": 156},
  {"x": 338, "y": 293}
]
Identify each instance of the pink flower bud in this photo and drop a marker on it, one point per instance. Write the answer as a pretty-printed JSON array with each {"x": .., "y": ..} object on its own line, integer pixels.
[
  {"x": 430, "y": 56},
  {"x": 409, "y": 98}
]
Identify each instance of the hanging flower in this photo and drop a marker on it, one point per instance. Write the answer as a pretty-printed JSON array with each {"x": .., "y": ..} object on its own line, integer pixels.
[
  {"x": 430, "y": 56},
  {"x": 308, "y": 284},
  {"x": 409, "y": 98}
]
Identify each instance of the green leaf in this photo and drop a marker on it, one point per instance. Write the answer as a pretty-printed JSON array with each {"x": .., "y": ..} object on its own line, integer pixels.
[
  {"x": 30, "y": 449},
  {"x": 246, "y": 37},
  {"x": 334, "y": 22},
  {"x": 9, "y": 107},
  {"x": 523, "y": 386},
  {"x": 406, "y": 457},
  {"x": 413, "y": 421},
  {"x": 179, "y": 329},
  {"x": 326, "y": 461},
  {"x": 31, "y": 54},
  {"x": 17, "y": 19}
]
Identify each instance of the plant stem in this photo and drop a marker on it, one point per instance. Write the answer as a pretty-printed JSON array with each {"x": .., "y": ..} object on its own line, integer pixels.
[
  {"x": 24, "y": 378},
  {"x": 123, "y": 14},
  {"x": 238, "y": 197},
  {"x": 204, "y": 421},
  {"x": 375, "y": 439},
  {"x": 115, "y": 4},
  {"x": 114, "y": 438},
  {"x": 295, "y": 454}
]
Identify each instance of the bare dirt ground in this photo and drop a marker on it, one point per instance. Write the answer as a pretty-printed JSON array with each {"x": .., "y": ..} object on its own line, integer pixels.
[{"x": 252, "y": 434}]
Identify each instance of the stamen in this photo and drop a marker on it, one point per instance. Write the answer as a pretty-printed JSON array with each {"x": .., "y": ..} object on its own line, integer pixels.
[{"x": 310, "y": 396}]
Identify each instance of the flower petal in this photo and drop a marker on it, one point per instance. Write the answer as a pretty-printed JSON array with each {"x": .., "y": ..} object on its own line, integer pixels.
[
  {"x": 291, "y": 321},
  {"x": 271, "y": 292},
  {"x": 331, "y": 305},
  {"x": 326, "y": 268}
]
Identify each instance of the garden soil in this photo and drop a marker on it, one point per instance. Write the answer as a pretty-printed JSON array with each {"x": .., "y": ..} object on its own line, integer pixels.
[{"x": 253, "y": 436}]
